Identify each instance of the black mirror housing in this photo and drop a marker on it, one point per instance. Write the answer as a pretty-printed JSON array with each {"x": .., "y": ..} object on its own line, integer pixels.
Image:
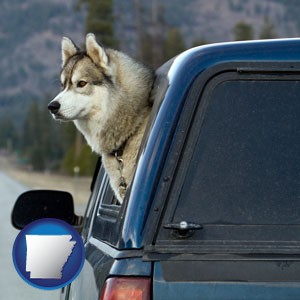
[{"x": 37, "y": 204}]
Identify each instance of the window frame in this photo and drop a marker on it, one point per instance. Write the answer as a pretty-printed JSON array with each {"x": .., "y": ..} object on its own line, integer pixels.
[
  {"x": 105, "y": 219},
  {"x": 195, "y": 101}
]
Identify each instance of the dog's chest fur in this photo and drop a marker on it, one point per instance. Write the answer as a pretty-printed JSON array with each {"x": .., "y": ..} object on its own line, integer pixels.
[
  {"x": 117, "y": 170},
  {"x": 103, "y": 141}
]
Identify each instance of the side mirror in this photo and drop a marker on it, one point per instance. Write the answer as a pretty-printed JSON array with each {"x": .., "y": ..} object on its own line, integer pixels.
[{"x": 38, "y": 204}]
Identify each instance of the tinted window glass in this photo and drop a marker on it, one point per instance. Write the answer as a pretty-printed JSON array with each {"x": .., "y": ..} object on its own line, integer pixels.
[{"x": 246, "y": 165}]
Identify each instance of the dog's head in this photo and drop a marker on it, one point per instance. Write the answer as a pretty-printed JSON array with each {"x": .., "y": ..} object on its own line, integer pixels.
[{"x": 85, "y": 76}]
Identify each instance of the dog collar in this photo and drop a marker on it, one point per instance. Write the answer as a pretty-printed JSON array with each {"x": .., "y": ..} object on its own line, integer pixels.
[
  {"x": 119, "y": 152},
  {"x": 118, "y": 155}
]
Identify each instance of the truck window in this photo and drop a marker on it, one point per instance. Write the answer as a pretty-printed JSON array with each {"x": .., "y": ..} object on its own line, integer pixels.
[
  {"x": 104, "y": 211},
  {"x": 242, "y": 180}
]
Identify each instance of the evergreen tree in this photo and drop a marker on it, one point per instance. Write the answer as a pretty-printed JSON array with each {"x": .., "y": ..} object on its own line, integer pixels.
[
  {"x": 41, "y": 140},
  {"x": 86, "y": 161},
  {"x": 174, "y": 43},
  {"x": 37, "y": 158},
  {"x": 268, "y": 31},
  {"x": 52, "y": 139},
  {"x": 157, "y": 33},
  {"x": 243, "y": 31},
  {"x": 32, "y": 137},
  {"x": 100, "y": 20},
  {"x": 8, "y": 135},
  {"x": 150, "y": 33},
  {"x": 146, "y": 50},
  {"x": 30, "y": 127}
]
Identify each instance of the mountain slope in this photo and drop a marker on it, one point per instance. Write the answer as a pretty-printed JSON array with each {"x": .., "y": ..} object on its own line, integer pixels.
[
  {"x": 31, "y": 31},
  {"x": 30, "y": 35}
]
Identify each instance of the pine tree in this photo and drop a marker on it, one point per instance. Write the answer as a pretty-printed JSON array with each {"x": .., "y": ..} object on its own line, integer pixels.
[
  {"x": 243, "y": 31},
  {"x": 174, "y": 43},
  {"x": 30, "y": 133},
  {"x": 8, "y": 134},
  {"x": 32, "y": 137},
  {"x": 100, "y": 21},
  {"x": 41, "y": 141},
  {"x": 268, "y": 31},
  {"x": 85, "y": 161},
  {"x": 158, "y": 28}
]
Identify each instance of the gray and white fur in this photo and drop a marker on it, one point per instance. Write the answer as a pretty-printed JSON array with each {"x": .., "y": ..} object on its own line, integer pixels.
[{"x": 106, "y": 94}]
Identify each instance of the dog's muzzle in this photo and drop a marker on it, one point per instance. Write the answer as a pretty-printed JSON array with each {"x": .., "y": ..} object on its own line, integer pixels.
[{"x": 54, "y": 107}]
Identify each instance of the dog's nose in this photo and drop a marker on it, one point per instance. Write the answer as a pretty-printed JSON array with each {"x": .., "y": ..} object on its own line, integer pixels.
[{"x": 54, "y": 107}]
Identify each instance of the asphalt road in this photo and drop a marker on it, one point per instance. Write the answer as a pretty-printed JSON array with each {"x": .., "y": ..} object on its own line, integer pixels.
[{"x": 12, "y": 287}]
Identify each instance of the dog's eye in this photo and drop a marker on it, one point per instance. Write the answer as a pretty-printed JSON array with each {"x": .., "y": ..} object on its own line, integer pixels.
[{"x": 81, "y": 84}]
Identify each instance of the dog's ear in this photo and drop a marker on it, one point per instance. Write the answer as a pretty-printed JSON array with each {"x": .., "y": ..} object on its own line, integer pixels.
[
  {"x": 96, "y": 52},
  {"x": 68, "y": 49}
]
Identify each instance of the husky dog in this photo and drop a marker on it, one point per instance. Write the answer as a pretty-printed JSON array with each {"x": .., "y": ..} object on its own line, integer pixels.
[{"x": 106, "y": 94}]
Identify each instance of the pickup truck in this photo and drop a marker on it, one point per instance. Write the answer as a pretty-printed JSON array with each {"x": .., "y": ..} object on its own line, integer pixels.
[{"x": 213, "y": 211}]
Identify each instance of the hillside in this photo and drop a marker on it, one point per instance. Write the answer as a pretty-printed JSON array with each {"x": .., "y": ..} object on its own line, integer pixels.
[
  {"x": 213, "y": 20},
  {"x": 217, "y": 18},
  {"x": 31, "y": 31},
  {"x": 30, "y": 35}
]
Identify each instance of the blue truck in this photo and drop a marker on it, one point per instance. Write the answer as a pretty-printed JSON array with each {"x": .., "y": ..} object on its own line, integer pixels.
[{"x": 213, "y": 211}]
